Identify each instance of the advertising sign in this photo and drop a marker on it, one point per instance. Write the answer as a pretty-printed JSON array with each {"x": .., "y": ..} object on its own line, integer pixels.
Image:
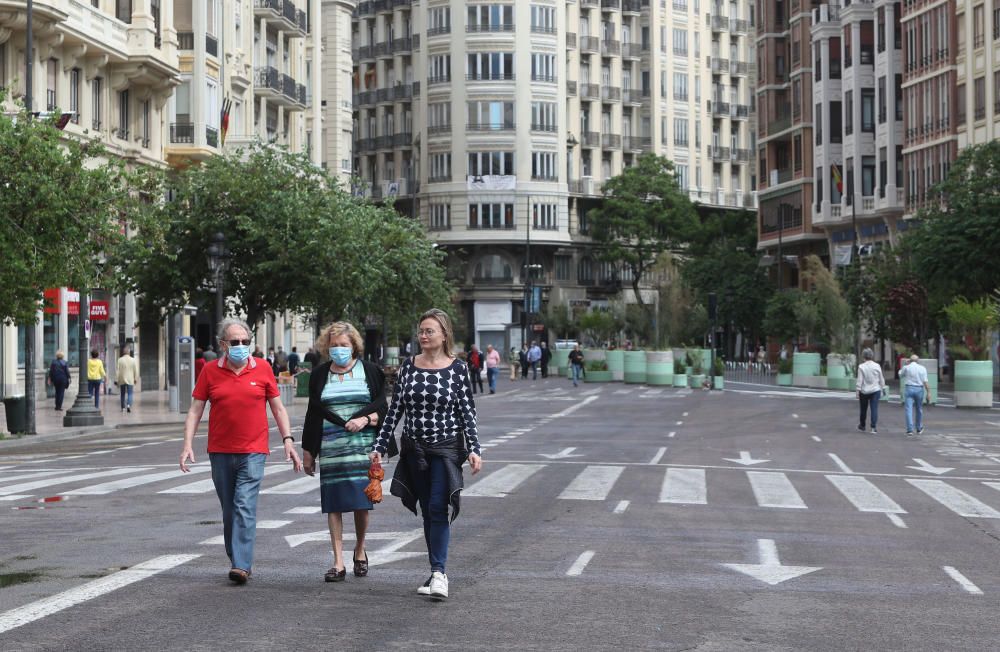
[{"x": 99, "y": 310}]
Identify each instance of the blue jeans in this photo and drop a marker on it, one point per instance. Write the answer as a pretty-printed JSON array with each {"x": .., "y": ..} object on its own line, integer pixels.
[
  {"x": 914, "y": 394},
  {"x": 432, "y": 492},
  {"x": 491, "y": 377},
  {"x": 237, "y": 479},
  {"x": 126, "y": 390},
  {"x": 577, "y": 369},
  {"x": 872, "y": 400},
  {"x": 94, "y": 389},
  {"x": 534, "y": 370},
  {"x": 60, "y": 395}
]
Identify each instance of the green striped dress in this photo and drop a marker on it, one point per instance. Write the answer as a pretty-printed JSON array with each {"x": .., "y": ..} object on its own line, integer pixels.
[{"x": 343, "y": 455}]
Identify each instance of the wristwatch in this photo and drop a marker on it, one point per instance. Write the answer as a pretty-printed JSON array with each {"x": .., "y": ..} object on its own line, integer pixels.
[{"x": 368, "y": 419}]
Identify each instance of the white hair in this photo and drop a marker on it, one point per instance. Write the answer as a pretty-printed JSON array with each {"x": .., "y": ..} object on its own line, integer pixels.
[{"x": 227, "y": 323}]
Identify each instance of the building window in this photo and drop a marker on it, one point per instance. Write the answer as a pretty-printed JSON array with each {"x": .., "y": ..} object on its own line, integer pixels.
[
  {"x": 682, "y": 177},
  {"x": 490, "y": 18},
  {"x": 680, "y": 86},
  {"x": 960, "y": 102},
  {"x": 439, "y": 69},
  {"x": 818, "y": 117},
  {"x": 881, "y": 100},
  {"x": 74, "y": 93},
  {"x": 491, "y": 163},
  {"x": 980, "y": 97},
  {"x": 491, "y": 216},
  {"x": 543, "y": 67},
  {"x": 883, "y": 171},
  {"x": 492, "y": 268},
  {"x": 145, "y": 116},
  {"x": 899, "y": 98},
  {"x": 543, "y": 216},
  {"x": 978, "y": 26},
  {"x": 849, "y": 180},
  {"x": 585, "y": 270},
  {"x": 996, "y": 20},
  {"x": 440, "y": 217},
  {"x": 51, "y": 70},
  {"x": 3, "y": 65},
  {"x": 680, "y": 42},
  {"x": 96, "y": 105},
  {"x": 867, "y": 176},
  {"x": 439, "y": 117},
  {"x": 680, "y": 132},
  {"x": 543, "y": 19},
  {"x": 490, "y": 116},
  {"x": 123, "y": 10},
  {"x": 797, "y": 152},
  {"x": 848, "y": 113},
  {"x": 836, "y": 127},
  {"x": 543, "y": 116},
  {"x": 543, "y": 166},
  {"x": 489, "y": 66},
  {"x": 440, "y": 168},
  {"x": 562, "y": 265},
  {"x": 868, "y": 110}
]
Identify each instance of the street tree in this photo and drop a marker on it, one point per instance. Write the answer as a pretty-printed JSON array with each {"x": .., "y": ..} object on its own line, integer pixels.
[
  {"x": 957, "y": 237},
  {"x": 644, "y": 213},
  {"x": 781, "y": 320},
  {"x": 64, "y": 207}
]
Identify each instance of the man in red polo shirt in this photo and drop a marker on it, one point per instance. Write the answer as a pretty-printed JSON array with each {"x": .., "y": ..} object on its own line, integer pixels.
[{"x": 239, "y": 388}]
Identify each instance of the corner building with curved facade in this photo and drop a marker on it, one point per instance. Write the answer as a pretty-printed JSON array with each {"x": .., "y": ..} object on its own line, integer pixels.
[{"x": 496, "y": 124}]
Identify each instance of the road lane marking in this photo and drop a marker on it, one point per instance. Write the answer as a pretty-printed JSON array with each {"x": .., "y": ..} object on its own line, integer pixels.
[
  {"x": 272, "y": 525},
  {"x": 803, "y": 425},
  {"x": 118, "y": 485},
  {"x": 895, "y": 520},
  {"x": 864, "y": 495},
  {"x": 659, "y": 455},
  {"x": 60, "y": 479},
  {"x": 774, "y": 490},
  {"x": 309, "y": 509},
  {"x": 593, "y": 483},
  {"x": 503, "y": 481},
  {"x": 204, "y": 486},
  {"x": 795, "y": 416},
  {"x": 296, "y": 486},
  {"x": 621, "y": 507},
  {"x": 962, "y": 580},
  {"x": 56, "y": 603},
  {"x": 954, "y": 499},
  {"x": 671, "y": 433},
  {"x": 570, "y": 410},
  {"x": 213, "y": 541},
  {"x": 816, "y": 439},
  {"x": 684, "y": 414},
  {"x": 27, "y": 476},
  {"x": 840, "y": 463},
  {"x": 679, "y": 423},
  {"x": 580, "y": 563},
  {"x": 684, "y": 487}
]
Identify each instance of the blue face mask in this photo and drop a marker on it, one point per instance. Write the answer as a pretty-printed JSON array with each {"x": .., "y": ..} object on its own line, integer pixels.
[
  {"x": 341, "y": 355},
  {"x": 239, "y": 353}
]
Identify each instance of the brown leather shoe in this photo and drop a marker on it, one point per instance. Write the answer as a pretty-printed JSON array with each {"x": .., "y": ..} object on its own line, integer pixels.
[
  {"x": 239, "y": 576},
  {"x": 361, "y": 566},
  {"x": 334, "y": 575}
]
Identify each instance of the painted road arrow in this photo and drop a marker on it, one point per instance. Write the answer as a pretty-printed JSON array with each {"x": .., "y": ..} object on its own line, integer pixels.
[
  {"x": 563, "y": 454},
  {"x": 745, "y": 459},
  {"x": 770, "y": 570},
  {"x": 929, "y": 468}
]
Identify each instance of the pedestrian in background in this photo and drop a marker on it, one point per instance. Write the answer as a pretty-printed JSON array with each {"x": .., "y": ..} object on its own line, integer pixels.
[
  {"x": 346, "y": 404},
  {"x": 515, "y": 363},
  {"x": 523, "y": 358},
  {"x": 199, "y": 362},
  {"x": 59, "y": 378},
  {"x": 95, "y": 376},
  {"x": 293, "y": 361},
  {"x": 313, "y": 358},
  {"x": 240, "y": 390},
  {"x": 913, "y": 378},
  {"x": 492, "y": 367},
  {"x": 870, "y": 385},
  {"x": 210, "y": 355},
  {"x": 576, "y": 364},
  {"x": 534, "y": 356},
  {"x": 475, "y": 360},
  {"x": 544, "y": 360},
  {"x": 126, "y": 375},
  {"x": 433, "y": 399}
]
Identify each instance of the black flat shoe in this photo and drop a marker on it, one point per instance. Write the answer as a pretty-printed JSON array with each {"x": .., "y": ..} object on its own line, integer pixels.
[
  {"x": 334, "y": 575},
  {"x": 361, "y": 567}
]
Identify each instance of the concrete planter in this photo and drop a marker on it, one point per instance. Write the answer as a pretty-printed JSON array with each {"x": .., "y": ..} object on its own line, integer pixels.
[
  {"x": 616, "y": 363},
  {"x": 817, "y": 381},
  {"x": 597, "y": 377},
  {"x": 836, "y": 371},
  {"x": 805, "y": 364},
  {"x": 680, "y": 380},
  {"x": 973, "y": 383},
  {"x": 931, "y": 364},
  {"x": 559, "y": 361},
  {"x": 392, "y": 356},
  {"x": 696, "y": 380},
  {"x": 718, "y": 382},
  {"x": 785, "y": 380},
  {"x": 659, "y": 367},
  {"x": 635, "y": 367}
]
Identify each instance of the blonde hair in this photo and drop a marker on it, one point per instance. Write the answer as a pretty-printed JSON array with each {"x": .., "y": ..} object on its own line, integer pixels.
[
  {"x": 60, "y": 355},
  {"x": 442, "y": 318},
  {"x": 336, "y": 329}
]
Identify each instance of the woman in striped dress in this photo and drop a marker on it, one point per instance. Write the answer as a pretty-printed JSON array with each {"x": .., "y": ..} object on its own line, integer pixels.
[{"x": 346, "y": 404}]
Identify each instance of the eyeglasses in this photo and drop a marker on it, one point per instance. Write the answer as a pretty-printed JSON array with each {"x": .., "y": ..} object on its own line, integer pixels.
[
  {"x": 238, "y": 342},
  {"x": 427, "y": 331}
]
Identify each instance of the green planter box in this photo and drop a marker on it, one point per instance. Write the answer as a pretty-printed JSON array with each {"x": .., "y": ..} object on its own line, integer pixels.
[
  {"x": 973, "y": 383},
  {"x": 805, "y": 364},
  {"x": 680, "y": 380},
  {"x": 560, "y": 361},
  {"x": 696, "y": 380},
  {"x": 838, "y": 383},
  {"x": 659, "y": 367},
  {"x": 616, "y": 363},
  {"x": 635, "y": 367},
  {"x": 597, "y": 377},
  {"x": 719, "y": 382},
  {"x": 785, "y": 380}
]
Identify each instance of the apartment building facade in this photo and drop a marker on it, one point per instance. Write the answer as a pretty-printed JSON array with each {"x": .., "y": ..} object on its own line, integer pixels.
[
  {"x": 496, "y": 124},
  {"x": 977, "y": 73}
]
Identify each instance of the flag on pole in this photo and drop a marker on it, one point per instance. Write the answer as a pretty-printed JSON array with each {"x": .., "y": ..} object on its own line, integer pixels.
[
  {"x": 837, "y": 180},
  {"x": 227, "y": 105}
]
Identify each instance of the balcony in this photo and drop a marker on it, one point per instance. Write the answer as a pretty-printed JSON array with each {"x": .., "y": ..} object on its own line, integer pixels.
[
  {"x": 211, "y": 136},
  {"x": 609, "y": 48},
  {"x": 589, "y": 3},
  {"x": 590, "y": 44},
  {"x": 590, "y": 92},
  {"x": 611, "y": 93},
  {"x": 632, "y": 6},
  {"x": 608, "y": 5},
  {"x": 185, "y": 41},
  {"x": 543, "y": 127},
  {"x": 631, "y": 50},
  {"x": 362, "y": 145},
  {"x": 717, "y": 23},
  {"x": 366, "y": 52},
  {"x": 492, "y": 126},
  {"x": 590, "y": 139},
  {"x": 283, "y": 89},
  {"x": 739, "y": 26},
  {"x": 717, "y": 153},
  {"x": 742, "y": 155},
  {"x": 489, "y": 28},
  {"x": 438, "y": 31},
  {"x": 441, "y": 79},
  {"x": 402, "y": 92},
  {"x": 505, "y": 76},
  {"x": 570, "y": 87},
  {"x": 637, "y": 143},
  {"x": 739, "y": 111},
  {"x": 631, "y": 96},
  {"x": 182, "y": 133},
  {"x": 781, "y": 123},
  {"x": 403, "y": 139},
  {"x": 541, "y": 29},
  {"x": 439, "y": 130},
  {"x": 611, "y": 141},
  {"x": 383, "y": 142},
  {"x": 570, "y": 40},
  {"x": 718, "y": 109},
  {"x": 739, "y": 67},
  {"x": 283, "y": 11},
  {"x": 406, "y": 44},
  {"x": 717, "y": 65}
]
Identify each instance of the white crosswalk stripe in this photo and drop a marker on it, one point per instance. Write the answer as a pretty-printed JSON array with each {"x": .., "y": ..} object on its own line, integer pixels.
[
  {"x": 25, "y": 487},
  {"x": 205, "y": 486},
  {"x": 954, "y": 499},
  {"x": 296, "y": 486},
  {"x": 772, "y": 489},
  {"x": 593, "y": 483},
  {"x": 135, "y": 481},
  {"x": 23, "y": 476},
  {"x": 684, "y": 486},
  {"x": 864, "y": 495},
  {"x": 503, "y": 481}
]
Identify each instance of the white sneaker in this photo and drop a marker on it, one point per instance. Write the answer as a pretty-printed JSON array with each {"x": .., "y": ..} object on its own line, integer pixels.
[
  {"x": 439, "y": 585},
  {"x": 425, "y": 588}
]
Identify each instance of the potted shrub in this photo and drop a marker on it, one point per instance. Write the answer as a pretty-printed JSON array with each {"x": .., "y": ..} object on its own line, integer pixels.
[
  {"x": 680, "y": 373},
  {"x": 718, "y": 374},
  {"x": 596, "y": 371},
  {"x": 785, "y": 372},
  {"x": 969, "y": 327},
  {"x": 697, "y": 376}
]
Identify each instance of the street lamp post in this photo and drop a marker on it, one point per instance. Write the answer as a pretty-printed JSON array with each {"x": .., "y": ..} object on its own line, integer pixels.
[
  {"x": 83, "y": 412},
  {"x": 218, "y": 264}
]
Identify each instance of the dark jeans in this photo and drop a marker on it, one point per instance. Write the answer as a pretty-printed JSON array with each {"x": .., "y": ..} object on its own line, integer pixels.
[
  {"x": 524, "y": 369},
  {"x": 432, "y": 492},
  {"x": 545, "y": 369},
  {"x": 94, "y": 389},
  {"x": 477, "y": 377},
  {"x": 866, "y": 400},
  {"x": 60, "y": 395}
]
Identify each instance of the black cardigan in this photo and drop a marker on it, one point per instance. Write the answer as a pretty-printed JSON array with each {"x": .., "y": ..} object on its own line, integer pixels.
[{"x": 312, "y": 429}]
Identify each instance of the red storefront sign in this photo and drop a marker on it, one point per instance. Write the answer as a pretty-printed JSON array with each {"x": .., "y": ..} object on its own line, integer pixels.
[
  {"x": 72, "y": 302},
  {"x": 99, "y": 310},
  {"x": 52, "y": 300}
]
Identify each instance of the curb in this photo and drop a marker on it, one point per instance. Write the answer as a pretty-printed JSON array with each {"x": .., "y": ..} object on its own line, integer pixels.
[{"x": 74, "y": 433}]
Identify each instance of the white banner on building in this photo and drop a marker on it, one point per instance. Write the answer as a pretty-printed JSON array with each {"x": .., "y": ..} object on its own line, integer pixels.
[
  {"x": 842, "y": 254},
  {"x": 492, "y": 182}
]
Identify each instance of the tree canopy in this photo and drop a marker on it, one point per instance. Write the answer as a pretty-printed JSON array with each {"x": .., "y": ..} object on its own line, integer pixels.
[{"x": 644, "y": 213}]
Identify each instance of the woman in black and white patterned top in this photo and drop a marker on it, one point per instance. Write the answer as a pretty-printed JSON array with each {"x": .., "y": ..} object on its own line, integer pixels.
[{"x": 434, "y": 399}]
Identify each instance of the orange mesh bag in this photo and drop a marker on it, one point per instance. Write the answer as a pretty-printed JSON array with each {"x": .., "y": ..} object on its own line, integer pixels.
[{"x": 374, "y": 488}]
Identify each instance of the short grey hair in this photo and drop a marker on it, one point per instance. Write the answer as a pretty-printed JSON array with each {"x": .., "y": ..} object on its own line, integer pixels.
[
  {"x": 229, "y": 322},
  {"x": 868, "y": 354}
]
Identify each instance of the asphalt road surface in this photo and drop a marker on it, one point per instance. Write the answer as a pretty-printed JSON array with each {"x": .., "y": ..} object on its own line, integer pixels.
[{"x": 608, "y": 516}]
